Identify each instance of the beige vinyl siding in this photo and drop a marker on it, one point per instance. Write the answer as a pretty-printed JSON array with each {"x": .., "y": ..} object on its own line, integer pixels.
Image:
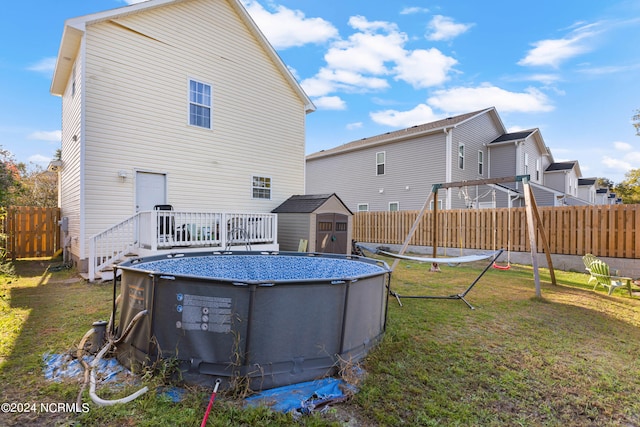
[
  {"x": 138, "y": 70},
  {"x": 71, "y": 152},
  {"x": 411, "y": 167}
]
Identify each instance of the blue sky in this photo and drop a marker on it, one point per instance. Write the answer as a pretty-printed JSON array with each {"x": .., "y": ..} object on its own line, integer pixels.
[{"x": 570, "y": 68}]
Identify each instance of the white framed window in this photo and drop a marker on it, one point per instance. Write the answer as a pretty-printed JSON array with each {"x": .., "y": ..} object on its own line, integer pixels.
[
  {"x": 480, "y": 163},
  {"x": 381, "y": 158},
  {"x": 538, "y": 167},
  {"x": 461, "y": 156},
  {"x": 199, "y": 104},
  {"x": 526, "y": 163},
  {"x": 439, "y": 204},
  {"x": 363, "y": 207},
  {"x": 261, "y": 187},
  {"x": 394, "y": 206}
]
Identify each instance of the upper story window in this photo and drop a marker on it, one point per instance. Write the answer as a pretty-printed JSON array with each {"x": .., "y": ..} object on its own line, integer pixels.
[
  {"x": 526, "y": 163},
  {"x": 199, "y": 104},
  {"x": 480, "y": 163},
  {"x": 261, "y": 187},
  {"x": 461, "y": 156},
  {"x": 380, "y": 161},
  {"x": 538, "y": 167}
]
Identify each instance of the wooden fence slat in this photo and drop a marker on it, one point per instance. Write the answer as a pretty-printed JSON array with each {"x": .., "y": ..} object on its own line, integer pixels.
[
  {"x": 573, "y": 230},
  {"x": 32, "y": 231}
]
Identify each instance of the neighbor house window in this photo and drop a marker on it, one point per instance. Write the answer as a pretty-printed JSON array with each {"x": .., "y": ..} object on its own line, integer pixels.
[
  {"x": 363, "y": 207},
  {"x": 480, "y": 163},
  {"x": 538, "y": 170},
  {"x": 439, "y": 204},
  {"x": 461, "y": 156},
  {"x": 261, "y": 187},
  {"x": 526, "y": 163},
  {"x": 380, "y": 160},
  {"x": 394, "y": 206},
  {"x": 199, "y": 104}
]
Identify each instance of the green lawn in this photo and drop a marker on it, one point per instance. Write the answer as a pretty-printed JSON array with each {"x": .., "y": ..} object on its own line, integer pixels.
[{"x": 568, "y": 359}]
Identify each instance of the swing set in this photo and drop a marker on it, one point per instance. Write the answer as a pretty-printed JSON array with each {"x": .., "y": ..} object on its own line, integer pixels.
[{"x": 531, "y": 212}]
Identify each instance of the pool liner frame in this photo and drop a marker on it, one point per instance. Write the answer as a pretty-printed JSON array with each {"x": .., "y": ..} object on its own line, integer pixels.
[{"x": 279, "y": 332}]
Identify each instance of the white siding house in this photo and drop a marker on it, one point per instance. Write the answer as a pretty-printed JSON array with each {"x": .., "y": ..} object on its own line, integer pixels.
[
  {"x": 179, "y": 102},
  {"x": 396, "y": 170}
]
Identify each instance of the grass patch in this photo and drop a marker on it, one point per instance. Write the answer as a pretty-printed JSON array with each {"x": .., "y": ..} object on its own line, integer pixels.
[{"x": 570, "y": 358}]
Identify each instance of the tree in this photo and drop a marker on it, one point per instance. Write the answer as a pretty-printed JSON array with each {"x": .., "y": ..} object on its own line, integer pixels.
[
  {"x": 38, "y": 188},
  {"x": 629, "y": 189},
  {"x": 10, "y": 178},
  {"x": 604, "y": 183},
  {"x": 636, "y": 122}
]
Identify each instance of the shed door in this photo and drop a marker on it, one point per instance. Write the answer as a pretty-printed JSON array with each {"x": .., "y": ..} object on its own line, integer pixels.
[{"x": 331, "y": 233}]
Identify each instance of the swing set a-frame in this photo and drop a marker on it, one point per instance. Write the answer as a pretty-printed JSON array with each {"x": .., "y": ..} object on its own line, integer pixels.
[{"x": 533, "y": 221}]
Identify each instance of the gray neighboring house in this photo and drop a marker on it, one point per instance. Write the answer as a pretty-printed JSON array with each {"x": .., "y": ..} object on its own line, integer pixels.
[{"x": 396, "y": 170}]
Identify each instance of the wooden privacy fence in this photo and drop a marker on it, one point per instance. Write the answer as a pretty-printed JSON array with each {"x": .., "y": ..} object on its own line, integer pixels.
[
  {"x": 607, "y": 231},
  {"x": 31, "y": 231}
]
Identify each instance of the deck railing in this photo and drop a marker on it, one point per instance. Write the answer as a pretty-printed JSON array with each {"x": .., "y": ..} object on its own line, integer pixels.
[{"x": 163, "y": 230}]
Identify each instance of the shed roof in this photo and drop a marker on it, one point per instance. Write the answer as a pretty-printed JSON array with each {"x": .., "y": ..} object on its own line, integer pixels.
[{"x": 306, "y": 203}]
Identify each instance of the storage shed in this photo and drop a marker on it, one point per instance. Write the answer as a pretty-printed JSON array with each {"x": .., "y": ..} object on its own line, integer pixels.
[{"x": 323, "y": 221}]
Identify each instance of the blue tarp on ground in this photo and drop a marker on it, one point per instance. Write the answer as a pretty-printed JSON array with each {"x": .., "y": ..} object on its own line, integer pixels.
[
  {"x": 60, "y": 366},
  {"x": 303, "y": 397}
]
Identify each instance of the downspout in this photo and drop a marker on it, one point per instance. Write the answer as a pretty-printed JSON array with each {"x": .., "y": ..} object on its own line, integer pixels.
[{"x": 448, "y": 164}]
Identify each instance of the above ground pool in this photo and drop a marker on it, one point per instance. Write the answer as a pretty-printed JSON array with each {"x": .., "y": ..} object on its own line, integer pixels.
[{"x": 271, "y": 319}]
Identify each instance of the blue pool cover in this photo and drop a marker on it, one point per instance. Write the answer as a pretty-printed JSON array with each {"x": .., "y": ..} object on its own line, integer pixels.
[{"x": 262, "y": 267}]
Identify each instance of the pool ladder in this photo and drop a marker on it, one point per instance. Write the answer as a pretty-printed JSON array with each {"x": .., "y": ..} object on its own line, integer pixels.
[{"x": 236, "y": 235}]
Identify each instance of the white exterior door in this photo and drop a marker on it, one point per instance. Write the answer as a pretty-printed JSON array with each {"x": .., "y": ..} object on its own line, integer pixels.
[{"x": 151, "y": 190}]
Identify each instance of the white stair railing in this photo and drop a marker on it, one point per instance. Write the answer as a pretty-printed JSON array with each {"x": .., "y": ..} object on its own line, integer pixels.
[{"x": 112, "y": 244}]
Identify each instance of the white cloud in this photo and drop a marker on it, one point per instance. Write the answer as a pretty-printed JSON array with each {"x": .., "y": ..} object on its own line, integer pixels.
[
  {"x": 444, "y": 28},
  {"x": 375, "y": 52},
  {"x": 286, "y": 28},
  {"x": 45, "y": 65},
  {"x": 42, "y": 135},
  {"x": 366, "y": 51},
  {"x": 39, "y": 158},
  {"x": 424, "y": 68},
  {"x": 420, "y": 114},
  {"x": 465, "y": 99},
  {"x": 354, "y": 126},
  {"x": 413, "y": 10},
  {"x": 552, "y": 52},
  {"x": 616, "y": 163},
  {"x": 327, "y": 81},
  {"x": 330, "y": 103},
  {"x": 622, "y": 146}
]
